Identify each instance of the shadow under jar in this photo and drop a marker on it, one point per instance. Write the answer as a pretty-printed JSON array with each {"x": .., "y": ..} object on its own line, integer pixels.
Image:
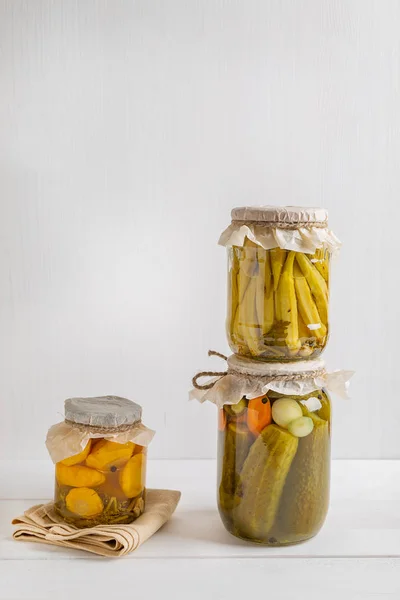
[
  {"x": 278, "y": 282},
  {"x": 105, "y": 482},
  {"x": 274, "y": 463}
]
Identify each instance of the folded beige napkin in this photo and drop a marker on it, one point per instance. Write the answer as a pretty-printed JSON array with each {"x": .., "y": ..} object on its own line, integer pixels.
[{"x": 40, "y": 524}]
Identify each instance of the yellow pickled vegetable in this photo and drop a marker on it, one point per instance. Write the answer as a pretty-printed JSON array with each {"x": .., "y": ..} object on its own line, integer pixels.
[
  {"x": 306, "y": 305},
  {"x": 78, "y": 476},
  {"x": 269, "y": 300},
  {"x": 131, "y": 478},
  {"x": 84, "y": 502},
  {"x": 318, "y": 286},
  {"x": 106, "y": 454},
  {"x": 78, "y": 458},
  {"x": 286, "y": 305},
  {"x": 321, "y": 261},
  {"x": 278, "y": 257}
]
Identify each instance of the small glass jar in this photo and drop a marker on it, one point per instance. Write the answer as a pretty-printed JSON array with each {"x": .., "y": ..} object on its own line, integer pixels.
[
  {"x": 278, "y": 282},
  {"x": 100, "y": 453},
  {"x": 274, "y": 452}
]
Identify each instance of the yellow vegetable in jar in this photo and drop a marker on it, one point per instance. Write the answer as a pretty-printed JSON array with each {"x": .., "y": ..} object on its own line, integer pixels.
[
  {"x": 78, "y": 476},
  {"x": 78, "y": 458},
  {"x": 106, "y": 453},
  {"x": 131, "y": 478},
  {"x": 84, "y": 502}
]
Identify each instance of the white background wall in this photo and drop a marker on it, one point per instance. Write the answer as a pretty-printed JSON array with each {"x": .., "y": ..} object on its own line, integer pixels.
[{"x": 128, "y": 131}]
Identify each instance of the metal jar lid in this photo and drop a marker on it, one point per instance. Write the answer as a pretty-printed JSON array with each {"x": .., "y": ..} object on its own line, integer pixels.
[{"x": 102, "y": 411}]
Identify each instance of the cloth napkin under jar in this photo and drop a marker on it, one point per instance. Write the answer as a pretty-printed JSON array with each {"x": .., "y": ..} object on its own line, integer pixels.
[{"x": 41, "y": 524}]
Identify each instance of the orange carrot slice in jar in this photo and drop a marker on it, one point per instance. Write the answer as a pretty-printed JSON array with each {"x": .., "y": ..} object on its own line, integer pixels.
[
  {"x": 242, "y": 418},
  {"x": 221, "y": 419},
  {"x": 259, "y": 414}
]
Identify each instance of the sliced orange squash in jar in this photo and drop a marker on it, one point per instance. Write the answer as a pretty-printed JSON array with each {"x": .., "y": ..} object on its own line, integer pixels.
[
  {"x": 78, "y": 476},
  {"x": 106, "y": 453},
  {"x": 131, "y": 478},
  {"x": 84, "y": 502},
  {"x": 78, "y": 458}
]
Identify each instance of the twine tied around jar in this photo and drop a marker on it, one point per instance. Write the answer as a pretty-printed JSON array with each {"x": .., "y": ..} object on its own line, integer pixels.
[
  {"x": 312, "y": 374},
  {"x": 282, "y": 225},
  {"x": 209, "y": 385},
  {"x": 97, "y": 429}
]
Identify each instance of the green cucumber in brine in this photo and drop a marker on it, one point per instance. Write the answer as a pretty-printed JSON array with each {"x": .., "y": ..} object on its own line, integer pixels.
[
  {"x": 261, "y": 482},
  {"x": 305, "y": 497},
  {"x": 237, "y": 443}
]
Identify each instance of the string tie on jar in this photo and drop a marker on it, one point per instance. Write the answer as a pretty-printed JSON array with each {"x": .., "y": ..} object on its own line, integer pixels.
[
  {"x": 294, "y": 376},
  {"x": 281, "y": 225}
]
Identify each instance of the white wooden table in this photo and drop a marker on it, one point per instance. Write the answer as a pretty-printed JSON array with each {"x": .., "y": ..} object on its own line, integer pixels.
[{"x": 355, "y": 556}]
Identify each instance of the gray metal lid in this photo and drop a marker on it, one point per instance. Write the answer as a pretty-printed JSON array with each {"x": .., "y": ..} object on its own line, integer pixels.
[{"x": 102, "y": 411}]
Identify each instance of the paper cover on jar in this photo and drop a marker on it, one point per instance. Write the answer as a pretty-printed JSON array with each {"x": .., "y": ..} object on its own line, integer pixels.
[
  {"x": 252, "y": 379},
  {"x": 288, "y": 227},
  {"x": 108, "y": 417}
]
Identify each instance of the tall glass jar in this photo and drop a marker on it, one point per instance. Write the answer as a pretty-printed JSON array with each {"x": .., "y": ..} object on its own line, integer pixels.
[
  {"x": 274, "y": 454},
  {"x": 100, "y": 452},
  {"x": 278, "y": 282},
  {"x": 274, "y": 441}
]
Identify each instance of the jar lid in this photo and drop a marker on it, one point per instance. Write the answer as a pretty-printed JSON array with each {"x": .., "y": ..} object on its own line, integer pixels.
[
  {"x": 247, "y": 366},
  {"x": 102, "y": 411},
  {"x": 291, "y": 215}
]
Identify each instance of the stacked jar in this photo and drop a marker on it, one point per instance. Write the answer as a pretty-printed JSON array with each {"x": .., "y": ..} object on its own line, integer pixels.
[
  {"x": 273, "y": 399},
  {"x": 278, "y": 284}
]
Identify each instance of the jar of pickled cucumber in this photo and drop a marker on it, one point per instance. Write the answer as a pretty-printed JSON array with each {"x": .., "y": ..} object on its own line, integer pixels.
[
  {"x": 278, "y": 282},
  {"x": 274, "y": 440},
  {"x": 100, "y": 454}
]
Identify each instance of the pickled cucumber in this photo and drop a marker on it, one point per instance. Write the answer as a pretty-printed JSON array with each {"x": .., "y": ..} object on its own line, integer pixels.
[
  {"x": 238, "y": 440},
  {"x": 305, "y": 496},
  {"x": 261, "y": 482}
]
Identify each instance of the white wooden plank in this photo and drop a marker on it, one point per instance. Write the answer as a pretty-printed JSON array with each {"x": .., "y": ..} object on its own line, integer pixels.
[
  {"x": 286, "y": 579},
  {"x": 363, "y": 519}
]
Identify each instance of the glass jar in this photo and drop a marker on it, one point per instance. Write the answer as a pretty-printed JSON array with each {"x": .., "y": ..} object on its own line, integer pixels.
[
  {"x": 100, "y": 453},
  {"x": 278, "y": 282},
  {"x": 274, "y": 452}
]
